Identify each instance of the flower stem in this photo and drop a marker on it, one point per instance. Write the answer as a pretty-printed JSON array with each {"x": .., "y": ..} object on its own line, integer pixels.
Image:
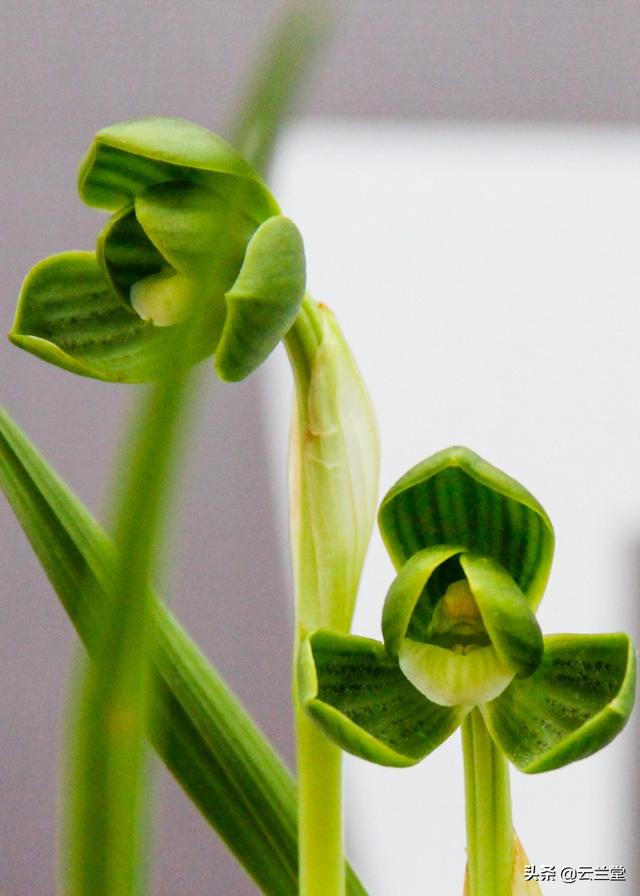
[
  {"x": 490, "y": 840},
  {"x": 322, "y": 863},
  {"x": 319, "y": 762}
]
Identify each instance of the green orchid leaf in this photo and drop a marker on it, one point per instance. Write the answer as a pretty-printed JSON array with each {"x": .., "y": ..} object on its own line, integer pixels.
[
  {"x": 506, "y": 615},
  {"x": 69, "y": 316},
  {"x": 278, "y": 77},
  {"x": 408, "y": 606},
  {"x": 455, "y": 497},
  {"x": 109, "y": 780},
  {"x": 263, "y": 302},
  {"x": 576, "y": 702},
  {"x": 354, "y": 690},
  {"x": 207, "y": 740},
  {"x": 124, "y": 159}
]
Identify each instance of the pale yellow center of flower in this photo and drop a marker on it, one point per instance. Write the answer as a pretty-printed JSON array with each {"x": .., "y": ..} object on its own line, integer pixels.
[{"x": 459, "y": 603}]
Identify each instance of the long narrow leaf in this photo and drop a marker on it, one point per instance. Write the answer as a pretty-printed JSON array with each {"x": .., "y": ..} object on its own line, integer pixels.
[
  {"x": 302, "y": 29},
  {"x": 108, "y": 786},
  {"x": 210, "y": 744}
]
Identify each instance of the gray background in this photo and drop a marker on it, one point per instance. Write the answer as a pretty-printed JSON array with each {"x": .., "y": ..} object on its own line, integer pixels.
[{"x": 69, "y": 68}]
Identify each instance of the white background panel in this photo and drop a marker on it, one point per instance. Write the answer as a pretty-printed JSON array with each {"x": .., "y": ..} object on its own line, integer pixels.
[{"x": 487, "y": 279}]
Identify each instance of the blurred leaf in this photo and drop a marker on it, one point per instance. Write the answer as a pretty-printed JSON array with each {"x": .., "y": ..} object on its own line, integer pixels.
[
  {"x": 207, "y": 740},
  {"x": 303, "y": 27},
  {"x": 108, "y": 783}
]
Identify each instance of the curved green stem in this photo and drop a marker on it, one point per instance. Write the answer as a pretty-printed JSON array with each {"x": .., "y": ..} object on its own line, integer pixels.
[
  {"x": 334, "y": 466},
  {"x": 301, "y": 342},
  {"x": 488, "y": 798}
]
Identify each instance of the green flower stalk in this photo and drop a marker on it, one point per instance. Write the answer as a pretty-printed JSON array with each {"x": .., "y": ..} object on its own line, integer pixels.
[
  {"x": 334, "y": 468},
  {"x": 196, "y": 260},
  {"x": 462, "y": 647},
  {"x": 194, "y": 232}
]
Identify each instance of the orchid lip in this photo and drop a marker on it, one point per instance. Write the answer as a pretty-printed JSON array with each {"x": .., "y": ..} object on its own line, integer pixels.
[{"x": 466, "y": 677}]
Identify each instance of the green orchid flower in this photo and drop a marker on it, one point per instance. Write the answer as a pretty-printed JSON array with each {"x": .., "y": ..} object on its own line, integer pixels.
[
  {"x": 195, "y": 235},
  {"x": 473, "y": 551},
  {"x": 462, "y": 646}
]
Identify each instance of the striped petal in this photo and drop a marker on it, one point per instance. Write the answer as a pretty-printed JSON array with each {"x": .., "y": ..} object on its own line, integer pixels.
[
  {"x": 410, "y": 601},
  {"x": 126, "y": 254},
  {"x": 357, "y": 694},
  {"x": 576, "y": 702},
  {"x": 455, "y": 497},
  {"x": 124, "y": 159},
  {"x": 69, "y": 315}
]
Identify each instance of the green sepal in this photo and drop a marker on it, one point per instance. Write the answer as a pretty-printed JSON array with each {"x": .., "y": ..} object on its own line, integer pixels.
[
  {"x": 506, "y": 615},
  {"x": 356, "y": 693},
  {"x": 69, "y": 316},
  {"x": 576, "y": 702},
  {"x": 124, "y": 159},
  {"x": 405, "y": 593},
  {"x": 455, "y": 497},
  {"x": 263, "y": 302}
]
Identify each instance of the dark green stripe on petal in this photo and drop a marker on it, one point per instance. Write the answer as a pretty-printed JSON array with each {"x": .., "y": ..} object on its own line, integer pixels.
[
  {"x": 68, "y": 315},
  {"x": 405, "y": 595},
  {"x": 357, "y": 694},
  {"x": 576, "y": 702},
  {"x": 454, "y": 497},
  {"x": 126, "y": 253},
  {"x": 124, "y": 159}
]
